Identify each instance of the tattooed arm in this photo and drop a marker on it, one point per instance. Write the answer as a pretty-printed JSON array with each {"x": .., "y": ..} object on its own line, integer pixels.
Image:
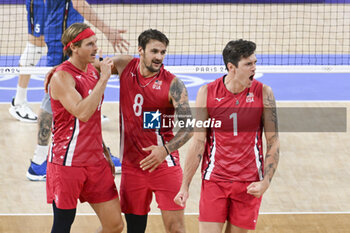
[
  {"x": 196, "y": 150},
  {"x": 270, "y": 122},
  {"x": 179, "y": 98}
]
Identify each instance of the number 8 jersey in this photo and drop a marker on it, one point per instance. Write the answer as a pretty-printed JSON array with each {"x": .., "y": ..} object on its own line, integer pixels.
[
  {"x": 234, "y": 151},
  {"x": 144, "y": 104}
]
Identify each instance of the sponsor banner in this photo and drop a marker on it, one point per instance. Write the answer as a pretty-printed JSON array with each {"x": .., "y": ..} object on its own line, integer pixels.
[{"x": 240, "y": 120}]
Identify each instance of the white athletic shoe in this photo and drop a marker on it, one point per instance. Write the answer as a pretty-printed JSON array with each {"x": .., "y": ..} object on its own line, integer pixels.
[{"x": 22, "y": 112}]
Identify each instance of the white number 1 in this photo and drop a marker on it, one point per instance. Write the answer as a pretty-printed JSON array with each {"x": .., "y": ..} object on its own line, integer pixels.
[{"x": 234, "y": 116}]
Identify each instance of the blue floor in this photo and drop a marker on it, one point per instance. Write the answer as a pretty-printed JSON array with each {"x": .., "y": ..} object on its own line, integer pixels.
[
  {"x": 286, "y": 87},
  {"x": 206, "y": 60}
]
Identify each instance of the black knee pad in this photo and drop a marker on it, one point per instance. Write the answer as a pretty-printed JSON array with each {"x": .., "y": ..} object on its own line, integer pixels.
[
  {"x": 62, "y": 219},
  {"x": 136, "y": 223}
]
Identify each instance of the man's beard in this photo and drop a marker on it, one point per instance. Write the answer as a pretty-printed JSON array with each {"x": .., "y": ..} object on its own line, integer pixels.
[{"x": 153, "y": 70}]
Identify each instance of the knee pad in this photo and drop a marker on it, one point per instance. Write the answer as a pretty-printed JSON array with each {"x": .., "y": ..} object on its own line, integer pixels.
[{"x": 31, "y": 55}]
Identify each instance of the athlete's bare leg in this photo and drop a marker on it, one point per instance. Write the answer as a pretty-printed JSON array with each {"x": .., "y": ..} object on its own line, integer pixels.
[
  {"x": 109, "y": 213},
  {"x": 174, "y": 221},
  {"x": 234, "y": 229},
  {"x": 210, "y": 227}
]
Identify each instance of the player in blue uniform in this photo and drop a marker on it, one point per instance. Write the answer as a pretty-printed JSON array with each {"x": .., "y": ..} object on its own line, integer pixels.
[
  {"x": 35, "y": 48},
  {"x": 60, "y": 15}
]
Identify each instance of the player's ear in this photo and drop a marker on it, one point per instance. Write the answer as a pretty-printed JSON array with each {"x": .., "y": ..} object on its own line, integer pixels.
[
  {"x": 231, "y": 67},
  {"x": 140, "y": 49},
  {"x": 73, "y": 47}
]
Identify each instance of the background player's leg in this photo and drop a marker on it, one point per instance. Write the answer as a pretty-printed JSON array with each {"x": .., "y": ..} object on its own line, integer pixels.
[
  {"x": 31, "y": 55},
  {"x": 174, "y": 221},
  {"x": 37, "y": 168}
]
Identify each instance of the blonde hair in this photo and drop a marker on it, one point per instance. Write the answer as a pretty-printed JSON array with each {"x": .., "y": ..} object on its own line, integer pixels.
[{"x": 70, "y": 33}]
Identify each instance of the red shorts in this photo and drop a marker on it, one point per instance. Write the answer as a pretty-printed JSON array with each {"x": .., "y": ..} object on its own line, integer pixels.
[
  {"x": 137, "y": 186},
  {"x": 221, "y": 201},
  {"x": 65, "y": 184}
]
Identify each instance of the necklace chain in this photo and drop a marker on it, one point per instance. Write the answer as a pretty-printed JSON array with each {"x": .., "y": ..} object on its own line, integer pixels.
[
  {"x": 237, "y": 101},
  {"x": 138, "y": 80}
]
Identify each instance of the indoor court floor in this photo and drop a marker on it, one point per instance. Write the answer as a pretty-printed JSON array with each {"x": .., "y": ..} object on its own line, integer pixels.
[{"x": 309, "y": 193}]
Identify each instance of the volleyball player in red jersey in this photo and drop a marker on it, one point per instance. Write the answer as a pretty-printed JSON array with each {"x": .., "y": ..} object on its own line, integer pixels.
[
  {"x": 77, "y": 167},
  {"x": 150, "y": 160},
  {"x": 234, "y": 176}
]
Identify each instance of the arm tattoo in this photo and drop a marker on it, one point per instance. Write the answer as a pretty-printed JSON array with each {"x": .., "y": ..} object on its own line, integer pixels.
[
  {"x": 271, "y": 122},
  {"x": 179, "y": 96},
  {"x": 177, "y": 88},
  {"x": 270, "y": 168},
  {"x": 45, "y": 122},
  {"x": 270, "y": 107}
]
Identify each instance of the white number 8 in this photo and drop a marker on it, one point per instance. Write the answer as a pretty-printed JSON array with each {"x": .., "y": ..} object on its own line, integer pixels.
[{"x": 138, "y": 101}]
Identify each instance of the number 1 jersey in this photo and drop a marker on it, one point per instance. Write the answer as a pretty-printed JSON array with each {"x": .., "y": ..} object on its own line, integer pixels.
[{"x": 234, "y": 150}]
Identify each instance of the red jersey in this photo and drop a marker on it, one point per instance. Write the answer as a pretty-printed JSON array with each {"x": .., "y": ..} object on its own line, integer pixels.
[
  {"x": 139, "y": 96},
  {"x": 234, "y": 151},
  {"x": 76, "y": 143}
]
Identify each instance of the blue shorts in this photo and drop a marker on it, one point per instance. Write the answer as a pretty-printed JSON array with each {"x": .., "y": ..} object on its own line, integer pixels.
[
  {"x": 54, "y": 53},
  {"x": 54, "y": 57},
  {"x": 36, "y": 17},
  {"x": 46, "y": 104}
]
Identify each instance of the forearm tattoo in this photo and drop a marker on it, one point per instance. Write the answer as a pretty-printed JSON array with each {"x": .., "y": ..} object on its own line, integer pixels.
[
  {"x": 271, "y": 121},
  {"x": 183, "y": 112},
  {"x": 270, "y": 108},
  {"x": 271, "y": 166}
]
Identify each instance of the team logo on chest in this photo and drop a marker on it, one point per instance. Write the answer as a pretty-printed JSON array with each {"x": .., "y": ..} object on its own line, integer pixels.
[
  {"x": 250, "y": 98},
  {"x": 157, "y": 84}
]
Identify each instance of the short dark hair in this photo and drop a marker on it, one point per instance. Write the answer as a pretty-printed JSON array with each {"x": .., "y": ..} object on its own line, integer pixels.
[
  {"x": 152, "y": 34},
  {"x": 235, "y": 50}
]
